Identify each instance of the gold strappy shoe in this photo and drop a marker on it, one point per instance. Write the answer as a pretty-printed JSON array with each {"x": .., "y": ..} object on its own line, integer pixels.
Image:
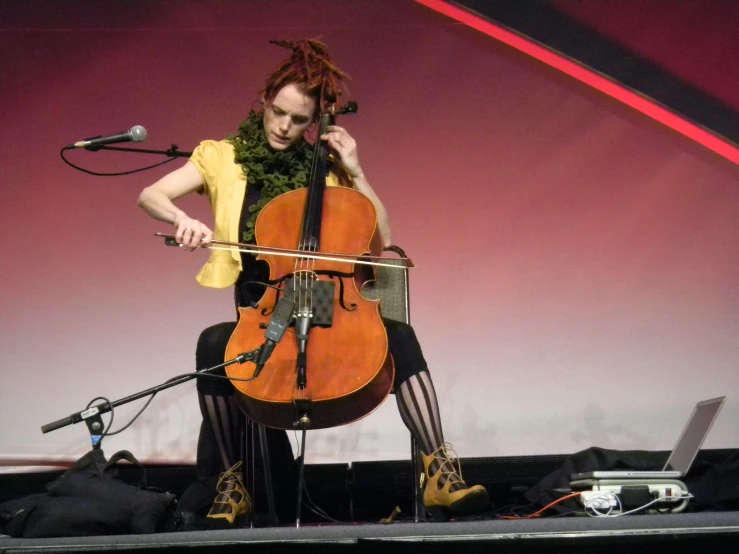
[
  {"x": 232, "y": 499},
  {"x": 439, "y": 501}
]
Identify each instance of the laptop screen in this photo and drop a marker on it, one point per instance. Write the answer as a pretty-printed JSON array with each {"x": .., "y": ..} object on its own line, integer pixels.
[{"x": 693, "y": 435}]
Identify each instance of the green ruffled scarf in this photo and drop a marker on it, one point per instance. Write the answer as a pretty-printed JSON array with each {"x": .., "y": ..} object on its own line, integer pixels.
[{"x": 272, "y": 171}]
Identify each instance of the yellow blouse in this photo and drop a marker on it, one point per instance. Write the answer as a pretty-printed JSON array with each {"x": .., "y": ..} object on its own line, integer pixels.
[{"x": 225, "y": 184}]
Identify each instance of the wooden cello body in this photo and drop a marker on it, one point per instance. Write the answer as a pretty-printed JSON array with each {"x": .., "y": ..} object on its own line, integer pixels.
[{"x": 334, "y": 357}]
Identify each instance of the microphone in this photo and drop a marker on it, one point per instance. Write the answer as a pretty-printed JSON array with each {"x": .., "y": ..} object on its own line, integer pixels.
[
  {"x": 134, "y": 134},
  {"x": 276, "y": 328}
]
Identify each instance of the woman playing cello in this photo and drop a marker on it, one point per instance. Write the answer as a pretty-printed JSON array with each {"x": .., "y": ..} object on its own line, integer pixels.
[{"x": 240, "y": 175}]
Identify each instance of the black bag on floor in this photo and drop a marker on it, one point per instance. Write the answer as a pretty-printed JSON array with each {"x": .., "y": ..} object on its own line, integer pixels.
[{"x": 89, "y": 499}]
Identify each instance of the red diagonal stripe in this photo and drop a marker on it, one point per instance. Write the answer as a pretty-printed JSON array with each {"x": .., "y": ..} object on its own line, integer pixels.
[{"x": 585, "y": 75}]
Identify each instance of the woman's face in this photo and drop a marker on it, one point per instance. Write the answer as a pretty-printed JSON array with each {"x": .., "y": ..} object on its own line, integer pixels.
[{"x": 287, "y": 116}]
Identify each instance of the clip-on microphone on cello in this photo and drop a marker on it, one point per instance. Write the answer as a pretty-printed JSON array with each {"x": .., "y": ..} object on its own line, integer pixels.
[{"x": 275, "y": 330}]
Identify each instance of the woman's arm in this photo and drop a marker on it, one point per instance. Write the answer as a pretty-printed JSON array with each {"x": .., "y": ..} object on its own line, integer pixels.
[
  {"x": 346, "y": 147},
  {"x": 157, "y": 201},
  {"x": 383, "y": 221}
]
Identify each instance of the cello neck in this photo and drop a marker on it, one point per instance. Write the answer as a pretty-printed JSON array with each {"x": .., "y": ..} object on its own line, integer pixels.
[{"x": 312, "y": 215}]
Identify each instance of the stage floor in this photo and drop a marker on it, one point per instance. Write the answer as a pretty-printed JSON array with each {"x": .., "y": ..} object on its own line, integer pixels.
[{"x": 709, "y": 532}]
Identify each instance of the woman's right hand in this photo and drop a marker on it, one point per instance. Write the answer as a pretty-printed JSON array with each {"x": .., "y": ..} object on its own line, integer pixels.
[{"x": 191, "y": 233}]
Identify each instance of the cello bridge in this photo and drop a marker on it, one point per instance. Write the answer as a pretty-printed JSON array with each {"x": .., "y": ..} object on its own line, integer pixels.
[{"x": 314, "y": 298}]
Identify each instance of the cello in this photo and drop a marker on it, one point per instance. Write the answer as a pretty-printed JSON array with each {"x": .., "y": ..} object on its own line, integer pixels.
[{"x": 333, "y": 365}]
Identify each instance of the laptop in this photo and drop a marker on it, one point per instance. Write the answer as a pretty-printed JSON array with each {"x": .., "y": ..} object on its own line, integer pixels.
[{"x": 684, "y": 453}]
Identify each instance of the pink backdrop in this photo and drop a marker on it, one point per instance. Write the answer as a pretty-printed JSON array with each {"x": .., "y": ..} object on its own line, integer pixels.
[{"x": 577, "y": 263}]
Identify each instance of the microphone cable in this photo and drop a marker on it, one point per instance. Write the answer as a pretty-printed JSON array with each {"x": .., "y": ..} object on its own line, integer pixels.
[{"x": 83, "y": 170}]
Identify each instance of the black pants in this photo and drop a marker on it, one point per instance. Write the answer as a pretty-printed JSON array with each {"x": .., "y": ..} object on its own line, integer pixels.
[
  {"x": 403, "y": 346},
  {"x": 402, "y": 343}
]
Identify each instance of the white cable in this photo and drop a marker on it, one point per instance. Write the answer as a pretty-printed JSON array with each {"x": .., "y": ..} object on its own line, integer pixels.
[{"x": 610, "y": 498}]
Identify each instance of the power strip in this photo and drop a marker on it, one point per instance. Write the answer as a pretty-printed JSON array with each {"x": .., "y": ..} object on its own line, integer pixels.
[
  {"x": 606, "y": 496},
  {"x": 666, "y": 492}
]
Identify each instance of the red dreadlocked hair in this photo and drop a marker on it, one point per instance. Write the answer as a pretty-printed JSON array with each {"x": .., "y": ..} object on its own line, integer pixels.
[{"x": 311, "y": 69}]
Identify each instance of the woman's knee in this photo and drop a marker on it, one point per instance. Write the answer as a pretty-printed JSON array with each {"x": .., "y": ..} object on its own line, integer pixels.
[
  {"x": 406, "y": 351},
  {"x": 212, "y": 344}
]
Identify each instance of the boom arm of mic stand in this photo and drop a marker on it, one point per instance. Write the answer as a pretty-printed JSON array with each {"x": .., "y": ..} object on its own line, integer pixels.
[
  {"x": 105, "y": 407},
  {"x": 172, "y": 152}
]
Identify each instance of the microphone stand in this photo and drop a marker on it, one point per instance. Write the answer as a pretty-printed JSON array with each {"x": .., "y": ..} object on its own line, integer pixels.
[
  {"x": 91, "y": 416},
  {"x": 173, "y": 151}
]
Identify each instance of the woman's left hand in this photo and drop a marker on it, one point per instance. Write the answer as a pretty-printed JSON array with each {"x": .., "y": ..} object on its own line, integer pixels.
[{"x": 346, "y": 147}]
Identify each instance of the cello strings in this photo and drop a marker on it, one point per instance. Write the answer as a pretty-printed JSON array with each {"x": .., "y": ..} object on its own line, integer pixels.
[{"x": 310, "y": 279}]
